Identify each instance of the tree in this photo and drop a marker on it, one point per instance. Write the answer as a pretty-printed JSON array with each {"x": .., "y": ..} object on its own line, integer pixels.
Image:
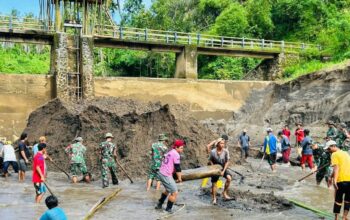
[
  {"x": 232, "y": 22},
  {"x": 259, "y": 17}
]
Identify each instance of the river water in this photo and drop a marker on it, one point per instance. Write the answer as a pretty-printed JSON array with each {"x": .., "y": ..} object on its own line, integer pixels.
[{"x": 133, "y": 202}]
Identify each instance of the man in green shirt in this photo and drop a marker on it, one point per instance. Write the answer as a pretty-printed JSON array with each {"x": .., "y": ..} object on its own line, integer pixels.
[{"x": 76, "y": 152}]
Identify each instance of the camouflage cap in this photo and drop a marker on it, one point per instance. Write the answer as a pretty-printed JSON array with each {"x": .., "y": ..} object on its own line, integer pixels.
[
  {"x": 343, "y": 125},
  {"x": 109, "y": 135},
  {"x": 330, "y": 122},
  {"x": 162, "y": 137},
  {"x": 78, "y": 139}
]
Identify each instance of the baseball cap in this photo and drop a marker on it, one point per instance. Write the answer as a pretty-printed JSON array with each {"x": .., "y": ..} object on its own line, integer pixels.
[
  {"x": 269, "y": 129},
  {"x": 329, "y": 143},
  {"x": 79, "y": 139},
  {"x": 178, "y": 143}
]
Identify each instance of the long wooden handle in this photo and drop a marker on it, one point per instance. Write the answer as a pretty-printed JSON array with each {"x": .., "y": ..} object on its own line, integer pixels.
[
  {"x": 310, "y": 174},
  {"x": 58, "y": 167},
  {"x": 48, "y": 188},
  {"x": 124, "y": 170}
]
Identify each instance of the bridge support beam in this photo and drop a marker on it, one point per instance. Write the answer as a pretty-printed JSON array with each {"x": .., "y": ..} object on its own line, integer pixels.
[
  {"x": 186, "y": 63},
  {"x": 86, "y": 70}
]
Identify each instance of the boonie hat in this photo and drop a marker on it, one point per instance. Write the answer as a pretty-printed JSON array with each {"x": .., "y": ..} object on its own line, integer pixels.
[
  {"x": 329, "y": 143},
  {"x": 269, "y": 129},
  {"x": 109, "y": 135},
  {"x": 178, "y": 143},
  {"x": 162, "y": 137},
  {"x": 79, "y": 139},
  {"x": 218, "y": 140}
]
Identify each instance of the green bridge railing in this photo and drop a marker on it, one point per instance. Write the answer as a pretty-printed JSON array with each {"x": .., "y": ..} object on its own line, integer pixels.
[{"x": 9, "y": 23}]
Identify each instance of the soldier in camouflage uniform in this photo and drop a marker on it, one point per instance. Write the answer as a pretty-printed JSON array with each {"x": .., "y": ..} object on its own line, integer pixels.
[
  {"x": 342, "y": 136},
  {"x": 108, "y": 153},
  {"x": 158, "y": 150},
  {"x": 76, "y": 153},
  {"x": 322, "y": 158},
  {"x": 332, "y": 131}
]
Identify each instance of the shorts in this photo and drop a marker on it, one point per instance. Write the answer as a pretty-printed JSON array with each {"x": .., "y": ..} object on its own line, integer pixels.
[
  {"x": 22, "y": 166},
  {"x": 39, "y": 188},
  {"x": 343, "y": 189},
  {"x": 308, "y": 159},
  {"x": 214, "y": 179},
  {"x": 77, "y": 168},
  {"x": 168, "y": 183},
  {"x": 271, "y": 158}
]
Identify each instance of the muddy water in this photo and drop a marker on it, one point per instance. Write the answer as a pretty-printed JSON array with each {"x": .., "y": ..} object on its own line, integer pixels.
[{"x": 17, "y": 199}]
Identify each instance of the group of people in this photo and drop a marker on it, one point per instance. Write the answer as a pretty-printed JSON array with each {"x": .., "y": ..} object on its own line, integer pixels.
[{"x": 330, "y": 161}]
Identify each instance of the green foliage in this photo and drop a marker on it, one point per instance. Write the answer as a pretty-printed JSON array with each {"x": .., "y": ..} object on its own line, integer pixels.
[
  {"x": 259, "y": 17},
  {"x": 16, "y": 60},
  {"x": 232, "y": 22}
]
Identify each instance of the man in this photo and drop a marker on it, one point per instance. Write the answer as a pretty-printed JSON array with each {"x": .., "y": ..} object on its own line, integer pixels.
[
  {"x": 299, "y": 136},
  {"x": 220, "y": 155},
  {"x": 306, "y": 154},
  {"x": 54, "y": 212},
  {"x": 24, "y": 155},
  {"x": 42, "y": 139},
  {"x": 108, "y": 155},
  {"x": 2, "y": 143},
  {"x": 76, "y": 153},
  {"x": 342, "y": 135},
  {"x": 158, "y": 150},
  {"x": 332, "y": 131},
  {"x": 286, "y": 132},
  {"x": 270, "y": 148},
  {"x": 170, "y": 165},
  {"x": 211, "y": 145},
  {"x": 340, "y": 161},
  {"x": 322, "y": 160},
  {"x": 244, "y": 143},
  {"x": 39, "y": 172},
  {"x": 8, "y": 153},
  {"x": 285, "y": 146}
]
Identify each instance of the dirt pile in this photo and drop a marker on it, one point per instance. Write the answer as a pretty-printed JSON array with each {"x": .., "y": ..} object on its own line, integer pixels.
[
  {"x": 311, "y": 99},
  {"x": 135, "y": 126},
  {"x": 248, "y": 201}
]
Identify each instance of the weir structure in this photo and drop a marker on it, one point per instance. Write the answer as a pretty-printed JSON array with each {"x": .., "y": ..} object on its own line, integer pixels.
[{"x": 74, "y": 28}]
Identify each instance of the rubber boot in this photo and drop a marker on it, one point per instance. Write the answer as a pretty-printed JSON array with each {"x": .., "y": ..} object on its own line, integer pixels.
[
  {"x": 114, "y": 178},
  {"x": 169, "y": 207},
  {"x": 161, "y": 201},
  {"x": 104, "y": 184}
]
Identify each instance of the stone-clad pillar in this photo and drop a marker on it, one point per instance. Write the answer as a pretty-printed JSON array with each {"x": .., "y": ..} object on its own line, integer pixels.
[
  {"x": 59, "y": 65},
  {"x": 86, "y": 70},
  {"x": 186, "y": 63}
]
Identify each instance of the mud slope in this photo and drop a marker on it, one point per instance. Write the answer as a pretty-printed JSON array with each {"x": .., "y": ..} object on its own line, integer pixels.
[
  {"x": 312, "y": 99},
  {"x": 135, "y": 126}
]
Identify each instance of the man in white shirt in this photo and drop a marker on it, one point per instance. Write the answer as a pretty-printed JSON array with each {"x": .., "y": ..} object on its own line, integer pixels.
[{"x": 8, "y": 153}]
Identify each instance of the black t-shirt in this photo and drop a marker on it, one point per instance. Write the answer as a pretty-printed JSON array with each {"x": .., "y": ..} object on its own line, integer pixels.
[{"x": 23, "y": 147}]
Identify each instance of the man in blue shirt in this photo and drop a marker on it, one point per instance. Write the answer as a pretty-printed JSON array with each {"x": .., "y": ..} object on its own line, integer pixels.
[
  {"x": 54, "y": 212},
  {"x": 270, "y": 148},
  {"x": 244, "y": 143}
]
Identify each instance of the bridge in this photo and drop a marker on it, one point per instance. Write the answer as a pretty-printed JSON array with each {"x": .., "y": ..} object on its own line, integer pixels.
[{"x": 187, "y": 47}]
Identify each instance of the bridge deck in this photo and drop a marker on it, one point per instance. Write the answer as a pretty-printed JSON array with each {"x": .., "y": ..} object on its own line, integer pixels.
[{"x": 35, "y": 31}]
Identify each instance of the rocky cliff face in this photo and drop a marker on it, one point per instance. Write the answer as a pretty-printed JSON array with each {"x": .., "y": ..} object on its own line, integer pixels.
[{"x": 311, "y": 99}]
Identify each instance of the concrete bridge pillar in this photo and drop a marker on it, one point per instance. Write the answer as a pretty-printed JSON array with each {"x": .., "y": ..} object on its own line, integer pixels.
[
  {"x": 186, "y": 63},
  {"x": 86, "y": 70},
  {"x": 59, "y": 65},
  {"x": 272, "y": 69}
]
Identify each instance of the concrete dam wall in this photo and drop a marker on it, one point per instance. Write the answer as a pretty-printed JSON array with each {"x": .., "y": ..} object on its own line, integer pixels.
[{"x": 21, "y": 94}]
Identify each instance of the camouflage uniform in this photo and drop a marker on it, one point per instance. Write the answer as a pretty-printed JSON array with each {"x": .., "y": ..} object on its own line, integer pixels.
[
  {"x": 340, "y": 139},
  {"x": 76, "y": 153},
  {"x": 332, "y": 133},
  {"x": 108, "y": 163},
  {"x": 158, "y": 151},
  {"x": 322, "y": 158}
]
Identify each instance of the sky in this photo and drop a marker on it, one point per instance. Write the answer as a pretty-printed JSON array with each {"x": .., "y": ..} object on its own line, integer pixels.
[{"x": 26, "y": 6}]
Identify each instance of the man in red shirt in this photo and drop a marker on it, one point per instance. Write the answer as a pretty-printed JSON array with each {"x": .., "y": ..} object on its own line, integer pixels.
[
  {"x": 39, "y": 172},
  {"x": 286, "y": 131},
  {"x": 299, "y": 135}
]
